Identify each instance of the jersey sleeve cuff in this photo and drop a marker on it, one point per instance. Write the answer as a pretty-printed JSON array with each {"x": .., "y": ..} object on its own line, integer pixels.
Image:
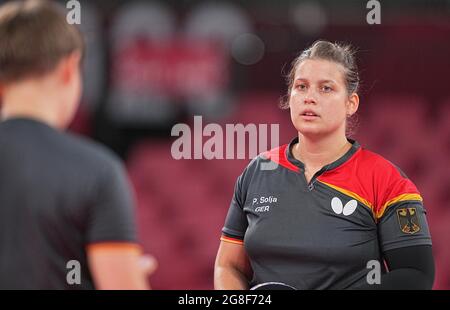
[
  {"x": 115, "y": 245},
  {"x": 230, "y": 239}
]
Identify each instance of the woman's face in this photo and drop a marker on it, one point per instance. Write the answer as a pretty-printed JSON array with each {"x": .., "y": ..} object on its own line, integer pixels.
[{"x": 319, "y": 101}]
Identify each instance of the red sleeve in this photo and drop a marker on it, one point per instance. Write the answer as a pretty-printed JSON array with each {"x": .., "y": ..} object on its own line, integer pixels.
[{"x": 391, "y": 186}]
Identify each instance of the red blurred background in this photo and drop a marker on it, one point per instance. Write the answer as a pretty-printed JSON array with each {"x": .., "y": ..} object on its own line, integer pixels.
[{"x": 153, "y": 64}]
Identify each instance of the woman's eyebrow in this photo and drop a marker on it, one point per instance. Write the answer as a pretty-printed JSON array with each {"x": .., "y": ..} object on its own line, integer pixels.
[
  {"x": 320, "y": 81},
  {"x": 327, "y": 81},
  {"x": 301, "y": 79}
]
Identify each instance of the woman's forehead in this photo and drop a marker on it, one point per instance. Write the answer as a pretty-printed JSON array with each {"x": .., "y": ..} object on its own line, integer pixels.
[{"x": 319, "y": 69}]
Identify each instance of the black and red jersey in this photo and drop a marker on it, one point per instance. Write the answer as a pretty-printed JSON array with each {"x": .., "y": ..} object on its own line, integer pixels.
[{"x": 323, "y": 234}]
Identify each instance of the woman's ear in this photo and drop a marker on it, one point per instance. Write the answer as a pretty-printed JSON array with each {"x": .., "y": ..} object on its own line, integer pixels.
[
  {"x": 68, "y": 66},
  {"x": 352, "y": 104}
]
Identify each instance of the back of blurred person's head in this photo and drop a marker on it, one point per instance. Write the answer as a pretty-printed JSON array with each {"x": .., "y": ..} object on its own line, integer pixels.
[{"x": 40, "y": 53}]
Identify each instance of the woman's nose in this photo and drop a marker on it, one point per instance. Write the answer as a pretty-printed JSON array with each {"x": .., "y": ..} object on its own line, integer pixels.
[{"x": 309, "y": 98}]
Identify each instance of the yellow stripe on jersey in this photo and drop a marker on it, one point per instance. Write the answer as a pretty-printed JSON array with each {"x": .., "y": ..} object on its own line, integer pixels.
[
  {"x": 402, "y": 197},
  {"x": 363, "y": 201}
]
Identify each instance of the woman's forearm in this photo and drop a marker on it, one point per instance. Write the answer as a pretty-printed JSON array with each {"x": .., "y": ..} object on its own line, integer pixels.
[{"x": 229, "y": 278}]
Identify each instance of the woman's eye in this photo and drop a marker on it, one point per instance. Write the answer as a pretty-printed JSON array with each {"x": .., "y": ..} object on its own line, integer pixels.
[
  {"x": 326, "y": 89},
  {"x": 301, "y": 86}
]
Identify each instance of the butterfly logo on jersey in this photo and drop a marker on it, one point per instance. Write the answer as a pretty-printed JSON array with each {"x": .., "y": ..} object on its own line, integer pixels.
[
  {"x": 407, "y": 218},
  {"x": 339, "y": 208}
]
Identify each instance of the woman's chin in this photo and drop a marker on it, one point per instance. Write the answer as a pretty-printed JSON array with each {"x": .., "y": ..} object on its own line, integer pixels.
[{"x": 308, "y": 130}]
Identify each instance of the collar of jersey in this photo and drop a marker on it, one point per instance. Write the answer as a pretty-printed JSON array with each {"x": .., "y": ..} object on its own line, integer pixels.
[
  {"x": 26, "y": 120},
  {"x": 290, "y": 157}
]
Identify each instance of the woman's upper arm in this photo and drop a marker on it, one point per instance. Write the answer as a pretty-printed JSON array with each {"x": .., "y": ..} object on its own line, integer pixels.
[
  {"x": 232, "y": 269},
  {"x": 233, "y": 255}
]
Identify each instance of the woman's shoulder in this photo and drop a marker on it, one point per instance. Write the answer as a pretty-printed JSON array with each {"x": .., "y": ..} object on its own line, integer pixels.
[
  {"x": 383, "y": 172},
  {"x": 378, "y": 164},
  {"x": 388, "y": 182}
]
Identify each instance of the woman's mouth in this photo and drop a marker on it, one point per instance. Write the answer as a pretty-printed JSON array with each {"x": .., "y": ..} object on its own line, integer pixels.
[{"x": 309, "y": 115}]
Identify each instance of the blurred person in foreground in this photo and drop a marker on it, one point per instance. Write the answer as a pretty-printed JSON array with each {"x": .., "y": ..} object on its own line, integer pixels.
[
  {"x": 331, "y": 208},
  {"x": 62, "y": 198}
]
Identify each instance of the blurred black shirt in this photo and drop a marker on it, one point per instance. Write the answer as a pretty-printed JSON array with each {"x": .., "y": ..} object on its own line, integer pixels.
[{"x": 58, "y": 194}]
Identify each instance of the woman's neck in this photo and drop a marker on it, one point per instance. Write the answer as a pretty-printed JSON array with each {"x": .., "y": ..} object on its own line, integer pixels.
[{"x": 318, "y": 152}]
